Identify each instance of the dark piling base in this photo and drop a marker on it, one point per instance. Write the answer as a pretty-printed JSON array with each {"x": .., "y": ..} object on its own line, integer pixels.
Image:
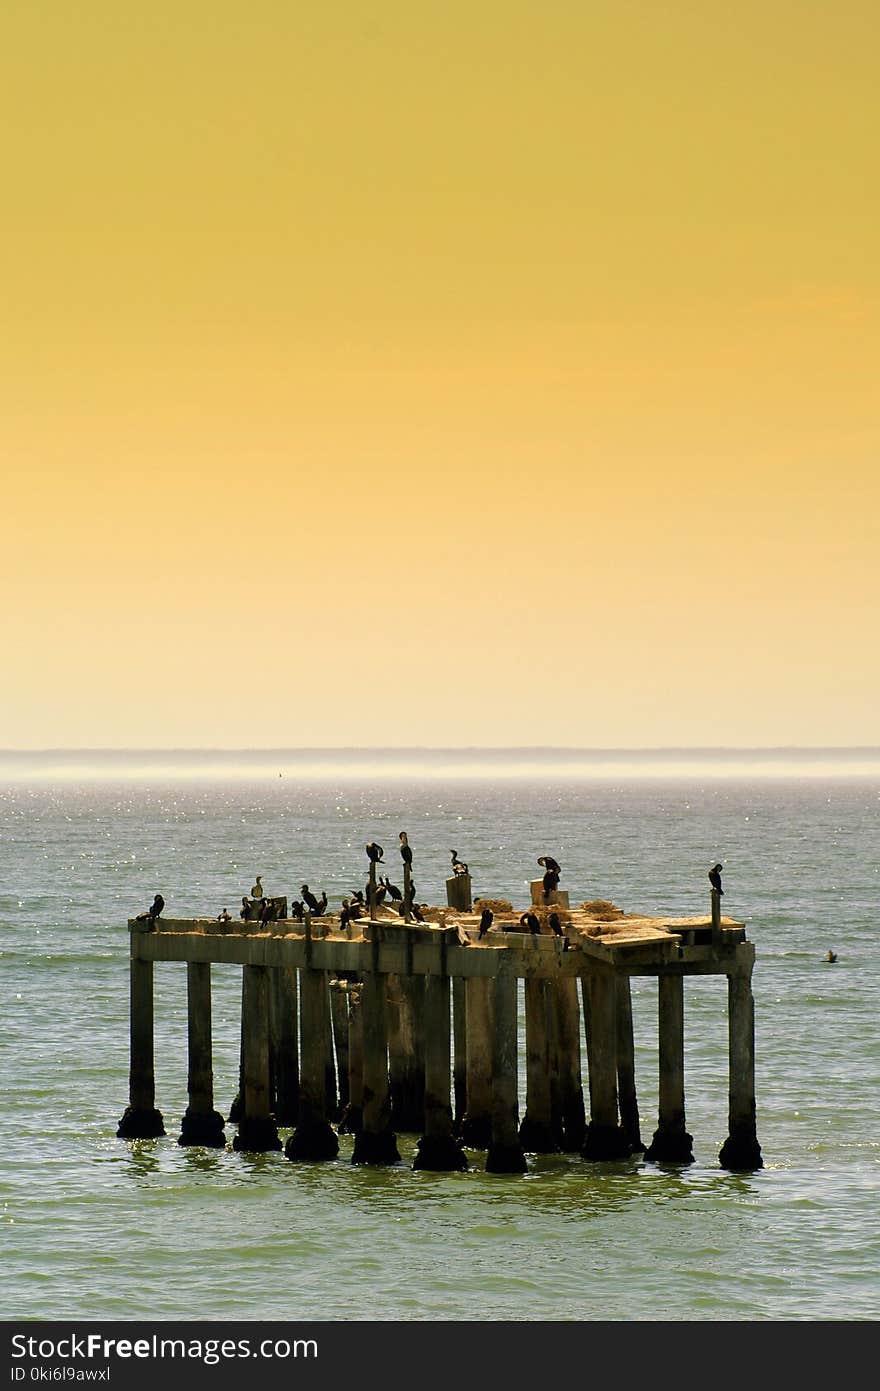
[
  {"x": 476, "y": 1132},
  {"x": 140, "y": 1125},
  {"x": 741, "y": 1151},
  {"x": 671, "y": 1147},
  {"x": 378, "y": 1148},
  {"x": 202, "y": 1128},
  {"x": 440, "y": 1154},
  {"x": 256, "y": 1135},
  {"x": 506, "y": 1159},
  {"x": 537, "y": 1138},
  {"x": 235, "y": 1110},
  {"x": 574, "y": 1130},
  {"x": 312, "y": 1142},
  {"x": 605, "y": 1142},
  {"x": 351, "y": 1120}
]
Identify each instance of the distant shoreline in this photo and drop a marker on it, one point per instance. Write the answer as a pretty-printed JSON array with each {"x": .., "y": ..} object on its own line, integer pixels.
[{"x": 319, "y": 764}]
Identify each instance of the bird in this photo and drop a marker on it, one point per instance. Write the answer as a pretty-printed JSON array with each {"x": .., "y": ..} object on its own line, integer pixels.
[
  {"x": 391, "y": 889},
  {"x": 296, "y": 910},
  {"x": 245, "y": 905},
  {"x": 345, "y": 915},
  {"x": 532, "y": 922},
  {"x": 357, "y": 896},
  {"x": 257, "y": 890},
  {"x": 156, "y": 909},
  {"x": 552, "y": 871},
  {"x": 267, "y": 912},
  {"x": 309, "y": 899},
  {"x": 381, "y": 892},
  {"x": 715, "y": 878},
  {"x": 486, "y": 920},
  {"x": 831, "y": 956},
  {"x": 320, "y": 907},
  {"x": 458, "y": 866},
  {"x": 555, "y": 925},
  {"x": 405, "y": 848},
  {"x": 374, "y": 852}
]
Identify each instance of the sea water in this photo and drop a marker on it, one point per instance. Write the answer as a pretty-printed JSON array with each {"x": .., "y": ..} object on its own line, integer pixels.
[{"x": 96, "y": 1227}]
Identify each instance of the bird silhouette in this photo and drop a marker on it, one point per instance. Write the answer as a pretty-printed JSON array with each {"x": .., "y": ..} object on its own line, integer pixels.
[
  {"x": 831, "y": 956},
  {"x": 310, "y": 901},
  {"x": 532, "y": 922},
  {"x": 715, "y": 878},
  {"x": 156, "y": 908},
  {"x": 458, "y": 866},
  {"x": 257, "y": 890},
  {"x": 405, "y": 849},
  {"x": 552, "y": 871},
  {"x": 555, "y": 925},
  {"x": 296, "y": 910},
  {"x": 374, "y": 852},
  {"x": 486, "y": 920},
  {"x": 391, "y": 889}
]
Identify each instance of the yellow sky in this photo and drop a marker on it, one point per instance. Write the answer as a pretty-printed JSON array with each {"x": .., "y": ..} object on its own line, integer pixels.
[{"x": 485, "y": 373}]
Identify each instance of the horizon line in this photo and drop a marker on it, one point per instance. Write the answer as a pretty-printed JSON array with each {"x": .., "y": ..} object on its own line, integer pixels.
[{"x": 435, "y": 748}]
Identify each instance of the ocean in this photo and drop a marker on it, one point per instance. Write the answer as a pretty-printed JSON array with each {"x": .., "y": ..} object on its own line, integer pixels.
[{"x": 94, "y": 1227}]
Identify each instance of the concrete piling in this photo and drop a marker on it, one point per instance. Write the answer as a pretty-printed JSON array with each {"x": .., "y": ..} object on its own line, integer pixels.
[
  {"x": 405, "y": 1002},
  {"x": 626, "y": 1066},
  {"x": 536, "y": 1134},
  {"x": 339, "y": 1021},
  {"x": 476, "y": 1125},
  {"x": 459, "y": 1051},
  {"x": 257, "y": 1131},
  {"x": 283, "y": 1044},
  {"x": 352, "y": 1117},
  {"x": 201, "y": 1124},
  {"x": 605, "y": 1137},
  {"x": 438, "y": 1149},
  {"x": 375, "y": 1142},
  {"x": 741, "y": 1150},
  {"x": 314, "y": 1137},
  {"x": 505, "y": 1154},
  {"x": 567, "y": 1046},
  {"x": 671, "y": 1143},
  {"x": 141, "y": 1120}
]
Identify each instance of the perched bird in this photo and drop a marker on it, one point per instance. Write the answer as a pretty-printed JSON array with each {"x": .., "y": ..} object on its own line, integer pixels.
[
  {"x": 458, "y": 866},
  {"x": 357, "y": 896},
  {"x": 552, "y": 871},
  {"x": 715, "y": 878},
  {"x": 555, "y": 925},
  {"x": 267, "y": 912},
  {"x": 245, "y": 905},
  {"x": 486, "y": 919},
  {"x": 381, "y": 892},
  {"x": 257, "y": 890},
  {"x": 416, "y": 912},
  {"x": 374, "y": 852},
  {"x": 296, "y": 910},
  {"x": 405, "y": 849},
  {"x": 831, "y": 956},
  {"x": 391, "y": 889},
  {"x": 155, "y": 909},
  {"x": 532, "y": 922},
  {"x": 309, "y": 899},
  {"x": 224, "y": 917},
  {"x": 320, "y": 907},
  {"x": 345, "y": 915}
]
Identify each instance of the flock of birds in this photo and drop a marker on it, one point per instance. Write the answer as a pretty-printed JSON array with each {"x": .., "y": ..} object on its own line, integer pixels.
[{"x": 358, "y": 902}]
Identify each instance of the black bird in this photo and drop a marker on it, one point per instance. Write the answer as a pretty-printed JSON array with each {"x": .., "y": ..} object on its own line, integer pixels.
[
  {"x": 555, "y": 925},
  {"x": 486, "y": 919},
  {"x": 532, "y": 922},
  {"x": 552, "y": 871},
  {"x": 309, "y": 899},
  {"x": 831, "y": 956},
  {"x": 321, "y": 907},
  {"x": 296, "y": 910},
  {"x": 391, "y": 889},
  {"x": 156, "y": 909},
  {"x": 345, "y": 915},
  {"x": 715, "y": 878},
  {"x": 357, "y": 896},
  {"x": 245, "y": 905},
  {"x": 381, "y": 892},
  {"x": 405, "y": 849},
  {"x": 374, "y": 852},
  {"x": 267, "y": 912},
  {"x": 416, "y": 912},
  {"x": 458, "y": 866}
]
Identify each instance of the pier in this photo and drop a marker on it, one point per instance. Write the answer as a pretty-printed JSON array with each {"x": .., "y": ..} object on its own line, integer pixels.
[{"x": 379, "y": 1026}]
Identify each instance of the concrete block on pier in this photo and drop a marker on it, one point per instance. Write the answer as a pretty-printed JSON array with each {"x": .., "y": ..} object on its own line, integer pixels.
[
  {"x": 459, "y": 893},
  {"x": 558, "y": 898}
]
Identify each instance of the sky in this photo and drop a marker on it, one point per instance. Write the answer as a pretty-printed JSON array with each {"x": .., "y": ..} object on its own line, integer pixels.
[{"x": 441, "y": 374}]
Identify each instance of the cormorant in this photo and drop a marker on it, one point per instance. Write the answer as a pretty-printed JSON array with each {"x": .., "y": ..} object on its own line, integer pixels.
[
  {"x": 405, "y": 849},
  {"x": 224, "y": 917},
  {"x": 320, "y": 908},
  {"x": 155, "y": 909},
  {"x": 345, "y": 915},
  {"x": 458, "y": 866},
  {"x": 374, "y": 852},
  {"x": 391, "y": 889},
  {"x": 715, "y": 878},
  {"x": 831, "y": 956},
  {"x": 296, "y": 910},
  {"x": 357, "y": 896},
  {"x": 245, "y": 905},
  {"x": 486, "y": 920},
  {"x": 309, "y": 898},
  {"x": 552, "y": 871},
  {"x": 257, "y": 890},
  {"x": 532, "y": 922},
  {"x": 267, "y": 912},
  {"x": 555, "y": 925}
]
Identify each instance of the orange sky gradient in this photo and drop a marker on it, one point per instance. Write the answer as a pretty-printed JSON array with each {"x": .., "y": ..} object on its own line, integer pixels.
[{"x": 449, "y": 374}]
